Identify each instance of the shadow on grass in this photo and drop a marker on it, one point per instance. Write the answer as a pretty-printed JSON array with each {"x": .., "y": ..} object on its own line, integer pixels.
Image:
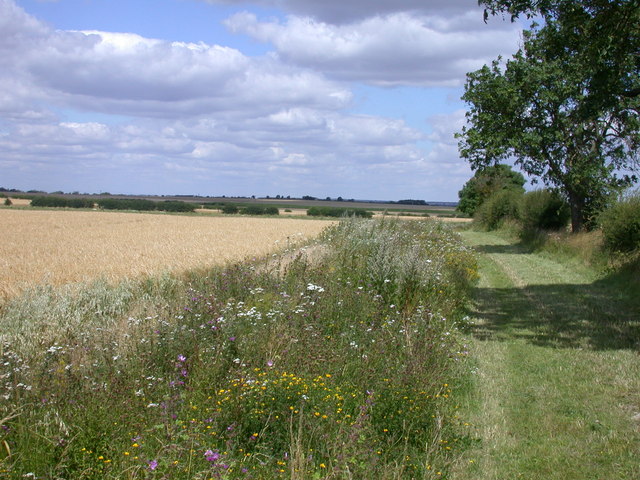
[{"x": 604, "y": 315}]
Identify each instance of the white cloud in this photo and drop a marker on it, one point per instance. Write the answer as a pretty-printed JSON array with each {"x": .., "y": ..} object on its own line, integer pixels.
[
  {"x": 397, "y": 49},
  {"x": 341, "y": 11},
  {"x": 92, "y": 110}
]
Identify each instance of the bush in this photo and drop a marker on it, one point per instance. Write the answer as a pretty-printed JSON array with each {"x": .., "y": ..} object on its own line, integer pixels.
[
  {"x": 499, "y": 207},
  {"x": 8, "y": 202},
  {"x": 127, "y": 204},
  {"x": 59, "y": 202},
  {"x": 176, "y": 206},
  {"x": 621, "y": 225},
  {"x": 543, "y": 209},
  {"x": 259, "y": 210},
  {"x": 230, "y": 209},
  {"x": 338, "y": 212}
]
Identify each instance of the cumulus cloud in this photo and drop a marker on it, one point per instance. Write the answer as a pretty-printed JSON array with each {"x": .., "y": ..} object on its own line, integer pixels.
[
  {"x": 341, "y": 11},
  {"x": 87, "y": 110},
  {"x": 397, "y": 49},
  {"x": 128, "y": 74}
]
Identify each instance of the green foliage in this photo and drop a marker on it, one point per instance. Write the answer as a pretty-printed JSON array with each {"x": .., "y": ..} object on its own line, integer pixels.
[
  {"x": 258, "y": 370},
  {"x": 259, "y": 210},
  {"x": 566, "y": 115},
  {"x": 484, "y": 183},
  {"x": 338, "y": 212},
  {"x": 621, "y": 225},
  {"x": 144, "y": 205},
  {"x": 229, "y": 209},
  {"x": 61, "y": 202},
  {"x": 139, "y": 204},
  {"x": 500, "y": 206},
  {"x": 8, "y": 202},
  {"x": 543, "y": 209},
  {"x": 176, "y": 206}
]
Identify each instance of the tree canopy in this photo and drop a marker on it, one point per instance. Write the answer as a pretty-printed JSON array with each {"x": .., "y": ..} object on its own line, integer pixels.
[
  {"x": 484, "y": 183},
  {"x": 565, "y": 107}
]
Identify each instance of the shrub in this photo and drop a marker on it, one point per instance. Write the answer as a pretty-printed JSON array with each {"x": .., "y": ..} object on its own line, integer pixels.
[
  {"x": 127, "y": 204},
  {"x": 259, "y": 210},
  {"x": 338, "y": 212},
  {"x": 621, "y": 225},
  {"x": 8, "y": 202},
  {"x": 60, "y": 202},
  {"x": 543, "y": 209},
  {"x": 176, "y": 206},
  {"x": 229, "y": 209},
  {"x": 499, "y": 207}
]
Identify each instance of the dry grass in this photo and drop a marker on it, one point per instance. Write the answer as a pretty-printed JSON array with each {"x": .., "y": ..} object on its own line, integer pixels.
[
  {"x": 59, "y": 247},
  {"x": 19, "y": 202}
]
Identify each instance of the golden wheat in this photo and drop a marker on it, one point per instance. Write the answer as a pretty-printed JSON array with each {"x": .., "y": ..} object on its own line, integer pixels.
[{"x": 59, "y": 247}]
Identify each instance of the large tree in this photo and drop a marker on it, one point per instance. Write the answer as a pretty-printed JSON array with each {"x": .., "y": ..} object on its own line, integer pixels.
[{"x": 564, "y": 116}]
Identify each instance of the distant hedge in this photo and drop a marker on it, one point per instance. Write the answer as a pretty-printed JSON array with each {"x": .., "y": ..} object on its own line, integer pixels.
[
  {"x": 141, "y": 205},
  {"x": 230, "y": 209},
  {"x": 259, "y": 210},
  {"x": 61, "y": 202},
  {"x": 338, "y": 212},
  {"x": 127, "y": 204}
]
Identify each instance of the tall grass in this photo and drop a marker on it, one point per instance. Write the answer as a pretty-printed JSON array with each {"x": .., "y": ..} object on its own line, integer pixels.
[{"x": 347, "y": 366}]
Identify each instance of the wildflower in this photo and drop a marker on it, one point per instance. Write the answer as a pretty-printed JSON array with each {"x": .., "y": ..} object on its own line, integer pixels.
[
  {"x": 182, "y": 358},
  {"x": 153, "y": 464},
  {"x": 211, "y": 456},
  {"x": 311, "y": 287}
]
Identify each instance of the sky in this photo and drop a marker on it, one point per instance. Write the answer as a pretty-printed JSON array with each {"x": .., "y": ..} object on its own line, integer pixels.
[{"x": 351, "y": 98}]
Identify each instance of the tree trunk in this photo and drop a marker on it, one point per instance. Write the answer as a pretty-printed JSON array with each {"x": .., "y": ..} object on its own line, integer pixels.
[{"x": 577, "y": 212}]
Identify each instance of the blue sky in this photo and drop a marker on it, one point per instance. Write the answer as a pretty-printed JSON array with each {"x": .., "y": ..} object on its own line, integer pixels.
[{"x": 356, "y": 99}]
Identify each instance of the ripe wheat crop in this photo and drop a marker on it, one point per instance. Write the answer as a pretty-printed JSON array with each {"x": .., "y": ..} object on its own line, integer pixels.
[{"x": 59, "y": 247}]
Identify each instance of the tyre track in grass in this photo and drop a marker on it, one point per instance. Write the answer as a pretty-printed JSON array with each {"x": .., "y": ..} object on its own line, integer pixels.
[{"x": 558, "y": 371}]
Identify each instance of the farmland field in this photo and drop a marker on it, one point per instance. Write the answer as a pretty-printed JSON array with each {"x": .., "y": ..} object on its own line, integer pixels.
[
  {"x": 348, "y": 364},
  {"x": 58, "y": 247}
]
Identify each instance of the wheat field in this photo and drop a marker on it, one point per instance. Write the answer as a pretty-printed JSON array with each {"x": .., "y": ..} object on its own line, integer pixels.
[{"x": 60, "y": 247}]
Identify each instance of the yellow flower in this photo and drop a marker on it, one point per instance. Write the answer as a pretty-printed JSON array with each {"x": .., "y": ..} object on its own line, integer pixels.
[{"x": 322, "y": 465}]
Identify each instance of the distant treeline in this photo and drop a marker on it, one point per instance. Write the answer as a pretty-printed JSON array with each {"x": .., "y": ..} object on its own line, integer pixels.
[
  {"x": 114, "y": 204},
  {"x": 411, "y": 202},
  {"x": 250, "y": 210},
  {"x": 338, "y": 212}
]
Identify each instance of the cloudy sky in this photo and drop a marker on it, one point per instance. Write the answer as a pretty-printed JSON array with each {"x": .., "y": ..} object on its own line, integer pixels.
[{"x": 352, "y": 98}]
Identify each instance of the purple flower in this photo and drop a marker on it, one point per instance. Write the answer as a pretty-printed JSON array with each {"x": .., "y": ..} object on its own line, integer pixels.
[
  {"x": 232, "y": 339},
  {"x": 153, "y": 464},
  {"x": 211, "y": 456},
  {"x": 181, "y": 358}
]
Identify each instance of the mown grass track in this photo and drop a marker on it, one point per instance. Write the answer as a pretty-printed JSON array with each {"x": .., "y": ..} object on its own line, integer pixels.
[{"x": 558, "y": 376}]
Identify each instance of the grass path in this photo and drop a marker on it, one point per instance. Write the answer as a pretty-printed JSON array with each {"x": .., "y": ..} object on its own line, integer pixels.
[{"x": 558, "y": 374}]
